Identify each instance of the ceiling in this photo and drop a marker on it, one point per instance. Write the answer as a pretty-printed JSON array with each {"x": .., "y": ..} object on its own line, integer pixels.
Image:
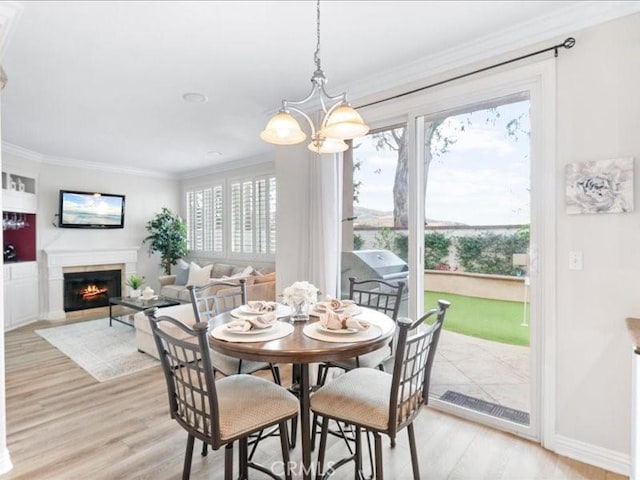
[{"x": 101, "y": 83}]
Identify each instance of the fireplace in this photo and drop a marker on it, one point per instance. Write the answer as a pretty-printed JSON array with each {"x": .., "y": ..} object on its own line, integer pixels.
[{"x": 83, "y": 290}]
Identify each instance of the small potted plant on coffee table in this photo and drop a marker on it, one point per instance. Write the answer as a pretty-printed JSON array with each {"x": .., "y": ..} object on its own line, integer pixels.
[{"x": 134, "y": 282}]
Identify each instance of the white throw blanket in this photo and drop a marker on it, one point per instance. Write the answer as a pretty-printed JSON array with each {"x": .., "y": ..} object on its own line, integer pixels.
[{"x": 257, "y": 322}]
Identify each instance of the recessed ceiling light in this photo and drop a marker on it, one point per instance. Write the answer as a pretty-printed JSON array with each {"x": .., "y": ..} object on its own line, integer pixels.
[{"x": 194, "y": 97}]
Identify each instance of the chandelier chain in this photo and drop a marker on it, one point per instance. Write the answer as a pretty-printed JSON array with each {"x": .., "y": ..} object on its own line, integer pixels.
[{"x": 316, "y": 55}]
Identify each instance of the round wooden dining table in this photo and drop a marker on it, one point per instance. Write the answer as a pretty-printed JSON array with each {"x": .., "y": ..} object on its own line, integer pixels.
[{"x": 300, "y": 350}]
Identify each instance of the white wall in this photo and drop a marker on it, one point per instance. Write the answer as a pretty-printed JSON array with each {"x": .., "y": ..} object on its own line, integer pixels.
[
  {"x": 598, "y": 117},
  {"x": 145, "y": 196}
]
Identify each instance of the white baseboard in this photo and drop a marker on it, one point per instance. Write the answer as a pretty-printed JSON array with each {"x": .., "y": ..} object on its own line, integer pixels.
[
  {"x": 5, "y": 462},
  {"x": 55, "y": 315},
  {"x": 600, "y": 457}
]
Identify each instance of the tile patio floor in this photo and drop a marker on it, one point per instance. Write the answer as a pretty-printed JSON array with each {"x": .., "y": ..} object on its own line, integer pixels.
[{"x": 491, "y": 371}]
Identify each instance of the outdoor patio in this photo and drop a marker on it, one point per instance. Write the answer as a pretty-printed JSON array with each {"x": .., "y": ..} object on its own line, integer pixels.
[{"x": 486, "y": 370}]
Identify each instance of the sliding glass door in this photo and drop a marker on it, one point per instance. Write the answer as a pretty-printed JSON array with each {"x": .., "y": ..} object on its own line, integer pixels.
[
  {"x": 476, "y": 162},
  {"x": 454, "y": 182}
]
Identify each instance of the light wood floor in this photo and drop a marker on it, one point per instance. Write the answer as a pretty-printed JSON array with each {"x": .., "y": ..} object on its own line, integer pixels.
[{"x": 63, "y": 424}]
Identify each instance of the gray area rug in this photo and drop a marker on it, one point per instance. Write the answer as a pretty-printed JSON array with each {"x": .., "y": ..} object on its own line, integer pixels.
[{"x": 105, "y": 352}]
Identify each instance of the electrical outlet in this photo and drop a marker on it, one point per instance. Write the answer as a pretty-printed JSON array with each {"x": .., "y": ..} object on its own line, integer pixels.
[{"x": 575, "y": 260}]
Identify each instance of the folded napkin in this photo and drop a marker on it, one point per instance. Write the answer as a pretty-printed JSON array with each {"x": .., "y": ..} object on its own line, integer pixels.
[
  {"x": 333, "y": 304},
  {"x": 338, "y": 321},
  {"x": 260, "y": 306},
  {"x": 257, "y": 322}
]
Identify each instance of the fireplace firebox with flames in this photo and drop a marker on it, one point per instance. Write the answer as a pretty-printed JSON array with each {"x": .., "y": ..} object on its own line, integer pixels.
[{"x": 83, "y": 290}]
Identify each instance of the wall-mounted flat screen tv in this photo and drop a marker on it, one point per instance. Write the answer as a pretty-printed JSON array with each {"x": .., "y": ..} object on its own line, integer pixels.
[{"x": 91, "y": 210}]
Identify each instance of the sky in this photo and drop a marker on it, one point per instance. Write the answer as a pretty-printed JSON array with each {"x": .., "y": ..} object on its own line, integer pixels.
[{"x": 483, "y": 178}]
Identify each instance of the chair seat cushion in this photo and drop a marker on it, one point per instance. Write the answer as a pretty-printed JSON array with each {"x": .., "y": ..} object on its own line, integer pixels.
[
  {"x": 360, "y": 396},
  {"x": 249, "y": 403}
]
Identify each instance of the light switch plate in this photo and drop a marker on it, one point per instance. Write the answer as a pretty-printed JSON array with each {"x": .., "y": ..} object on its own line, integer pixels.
[{"x": 575, "y": 260}]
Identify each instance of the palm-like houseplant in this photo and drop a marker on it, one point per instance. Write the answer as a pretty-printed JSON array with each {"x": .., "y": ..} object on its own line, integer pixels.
[{"x": 168, "y": 237}]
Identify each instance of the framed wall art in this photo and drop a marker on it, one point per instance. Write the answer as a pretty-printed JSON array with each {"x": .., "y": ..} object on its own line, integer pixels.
[{"x": 600, "y": 186}]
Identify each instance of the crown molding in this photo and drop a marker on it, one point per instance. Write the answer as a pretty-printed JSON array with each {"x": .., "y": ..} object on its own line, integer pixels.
[
  {"x": 564, "y": 22},
  {"x": 19, "y": 151},
  {"x": 229, "y": 165},
  {"x": 75, "y": 163}
]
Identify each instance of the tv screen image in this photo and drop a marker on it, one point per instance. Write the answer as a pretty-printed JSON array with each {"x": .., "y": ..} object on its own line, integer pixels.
[{"x": 91, "y": 210}]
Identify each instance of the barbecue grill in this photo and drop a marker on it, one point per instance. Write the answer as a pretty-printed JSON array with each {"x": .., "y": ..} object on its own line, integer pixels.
[{"x": 373, "y": 264}]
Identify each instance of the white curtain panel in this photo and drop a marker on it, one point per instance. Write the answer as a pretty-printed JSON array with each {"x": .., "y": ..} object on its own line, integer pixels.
[{"x": 308, "y": 219}]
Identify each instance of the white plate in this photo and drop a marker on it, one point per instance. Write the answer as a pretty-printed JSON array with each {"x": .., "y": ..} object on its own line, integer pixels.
[
  {"x": 343, "y": 331},
  {"x": 253, "y": 331},
  {"x": 248, "y": 309}
]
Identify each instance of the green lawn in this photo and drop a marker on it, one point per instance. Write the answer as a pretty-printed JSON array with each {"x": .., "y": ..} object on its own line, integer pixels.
[{"x": 495, "y": 320}]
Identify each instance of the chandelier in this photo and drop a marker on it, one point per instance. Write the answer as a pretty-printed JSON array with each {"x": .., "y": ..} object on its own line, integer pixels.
[{"x": 339, "y": 120}]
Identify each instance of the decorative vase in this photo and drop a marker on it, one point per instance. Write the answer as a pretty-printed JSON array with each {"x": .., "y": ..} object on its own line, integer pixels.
[
  {"x": 135, "y": 293},
  {"x": 300, "y": 311}
]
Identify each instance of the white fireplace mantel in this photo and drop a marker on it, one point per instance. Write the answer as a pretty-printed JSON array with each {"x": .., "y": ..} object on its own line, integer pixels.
[{"x": 58, "y": 259}]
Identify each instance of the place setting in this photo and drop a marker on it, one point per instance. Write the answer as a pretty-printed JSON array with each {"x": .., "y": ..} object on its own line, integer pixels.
[
  {"x": 260, "y": 307},
  {"x": 255, "y": 321},
  {"x": 338, "y": 306},
  {"x": 340, "y": 325}
]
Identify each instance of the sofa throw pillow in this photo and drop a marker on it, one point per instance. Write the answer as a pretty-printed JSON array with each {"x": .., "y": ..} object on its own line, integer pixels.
[
  {"x": 220, "y": 270},
  {"x": 182, "y": 272},
  {"x": 199, "y": 276},
  {"x": 247, "y": 271}
]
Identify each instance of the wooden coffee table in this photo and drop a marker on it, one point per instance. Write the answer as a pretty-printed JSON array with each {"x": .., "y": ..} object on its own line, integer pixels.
[{"x": 138, "y": 305}]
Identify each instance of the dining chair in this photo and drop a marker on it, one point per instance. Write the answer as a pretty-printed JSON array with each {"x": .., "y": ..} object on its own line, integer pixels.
[
  {"x": 218, "y": 412},
  {"x": 381, "y": 296},
  {"x": 381, "y": 402},
  {"x": 218, "y": 297}
]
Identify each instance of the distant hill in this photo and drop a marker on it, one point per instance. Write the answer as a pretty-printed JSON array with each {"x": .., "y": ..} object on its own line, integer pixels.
[{"x": 368, "y": 217}]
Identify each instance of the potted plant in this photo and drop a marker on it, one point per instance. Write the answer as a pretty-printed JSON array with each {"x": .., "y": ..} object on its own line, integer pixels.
[
  {"x": 168, "y": 237},
  {"x": 134, "y": 282}
]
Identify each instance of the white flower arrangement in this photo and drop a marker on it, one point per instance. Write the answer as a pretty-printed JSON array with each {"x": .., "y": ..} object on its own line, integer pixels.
[{"x": 300, "y": 292}]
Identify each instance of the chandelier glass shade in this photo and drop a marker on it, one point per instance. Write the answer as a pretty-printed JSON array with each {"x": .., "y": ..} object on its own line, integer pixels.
[{"x": 339, "y": 120}]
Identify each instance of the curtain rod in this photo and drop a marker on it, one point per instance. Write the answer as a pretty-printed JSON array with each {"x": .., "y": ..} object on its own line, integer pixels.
[{"x": 568, "y": 43}]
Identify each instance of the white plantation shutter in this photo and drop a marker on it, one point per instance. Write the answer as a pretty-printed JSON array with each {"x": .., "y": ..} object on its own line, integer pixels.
[
  {"x": 272, "y": 215},
  {"x": 204, "y": 219},
  {"x": 236, "y": 217},
  {"x": 261, "y": 215},
  {"x": 247, "y": 217},
  {"x": 253, "y": 215},
  {"x": 218, "y": 219}
]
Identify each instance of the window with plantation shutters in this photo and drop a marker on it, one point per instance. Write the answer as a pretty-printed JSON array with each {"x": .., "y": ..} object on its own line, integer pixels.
[
  {"x": 253, "y": 216},
  {"x": 205, "y": 218}
]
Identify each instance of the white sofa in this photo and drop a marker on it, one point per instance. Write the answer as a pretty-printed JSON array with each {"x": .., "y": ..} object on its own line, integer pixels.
[{"x": 260, "y": 286}]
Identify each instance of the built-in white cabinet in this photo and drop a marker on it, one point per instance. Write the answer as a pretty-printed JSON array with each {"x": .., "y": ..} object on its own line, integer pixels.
[
  {"x": 19, "y": 209},
  {"x": 19, "y": 192},
  {"x": 20, "y": 294}
]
